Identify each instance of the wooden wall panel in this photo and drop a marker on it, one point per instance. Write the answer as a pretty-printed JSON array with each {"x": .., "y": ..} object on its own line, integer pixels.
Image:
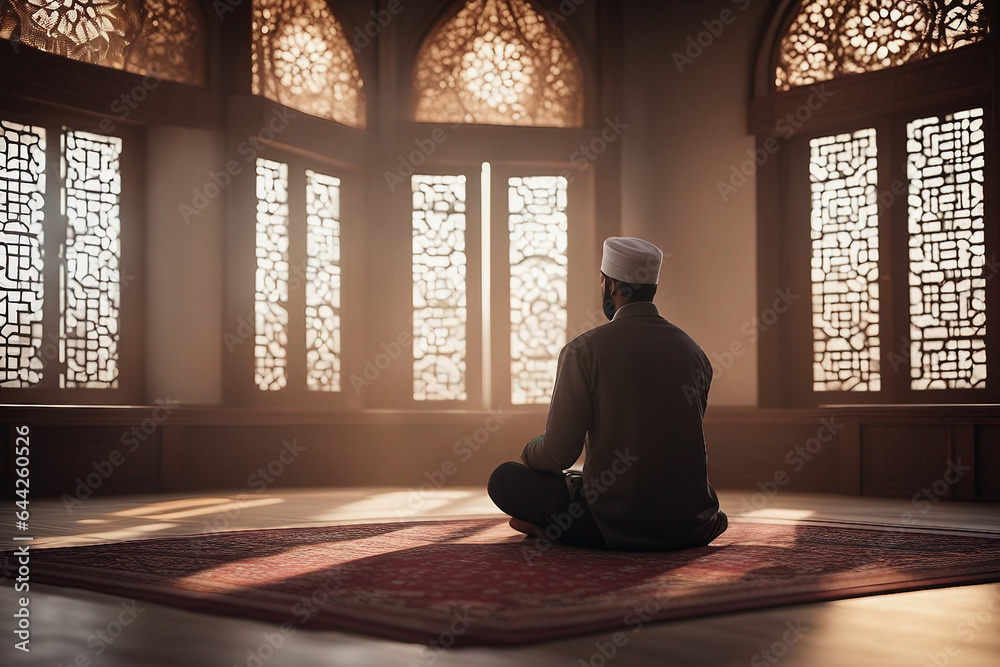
[
  {"x": 964, "y": 452},
  {"x": 250, "y": 459},
  {"x": 760, "y": 456},
  {"x": 93, "y": 460},
  {"x": 988, "y": 463},
  {"x": 894, "y": 451},
  {"x": 902, "y": 460}
]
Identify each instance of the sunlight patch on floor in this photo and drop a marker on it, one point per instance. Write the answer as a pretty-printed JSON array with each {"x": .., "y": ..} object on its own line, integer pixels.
[
  {"x": 217, "y": 509},
  {"x": 412, "y": 503},
  {"x": 779, "y": 513},
  {"x": 155, "y": 508},
  {"x": 131, "y": 533}
]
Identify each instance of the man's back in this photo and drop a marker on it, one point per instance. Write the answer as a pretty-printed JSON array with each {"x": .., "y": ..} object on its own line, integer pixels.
[
  {"x": 633, "y": 392},
  {"x": 645, "y": 476},
  {"x": 650, "y": 388}
]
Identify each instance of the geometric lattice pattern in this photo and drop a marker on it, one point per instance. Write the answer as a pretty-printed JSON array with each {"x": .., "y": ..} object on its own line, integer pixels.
[
  {"x": 162, "y": 38},
  {"x": 172, "y": 43},
  {"x": 91, "y": 276},
  {"x": 271, "y": 299},
  {"x": 322, "y": 282},
  {"x": 947, "y": 251},
  {"x": 845, "y": 298},
  {"x": 499, "y": 62},
  {"x": 439, "y": 288},
  {"x": 301, "y": 58},
  {"x": 539, "y": 276},
  {"x": 833, "y": 38},
  {"x": 22, "y": 197}
]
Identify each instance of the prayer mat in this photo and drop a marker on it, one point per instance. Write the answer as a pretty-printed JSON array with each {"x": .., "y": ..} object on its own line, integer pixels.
[{"x": 476, "y": 582}]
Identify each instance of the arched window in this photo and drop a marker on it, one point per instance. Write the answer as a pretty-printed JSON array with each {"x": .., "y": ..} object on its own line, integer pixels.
[
  {"x": 301, "y": 58},
  {"x": 876, "y": 200},
  {"x": 832, "y": 38},
  {"x": 498, "y": 62},
  {"x": 161, "y": 38},
  {"x": 72, "y": 185},
  {"x": 493, "y": 300}
]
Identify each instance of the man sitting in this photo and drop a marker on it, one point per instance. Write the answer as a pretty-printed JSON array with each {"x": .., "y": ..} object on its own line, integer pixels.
[{"x": 632, "y": 392}]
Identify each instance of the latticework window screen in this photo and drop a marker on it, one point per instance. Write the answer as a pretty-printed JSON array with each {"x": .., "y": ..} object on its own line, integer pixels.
[
  {"x": 845, "y": 299},
  {"x": 22, "y": 230},
  {"x": 79, "y": 348},
  {"x": 161, "y": 38},
  {"x": 945, "y": 164},
  {"x": 91, "y": 274},
  {"x": 306, "y": 295},
  {"x": 440, "y": 309},
  {"x": 537, "y": 227},
  {"x": 271, "y": 296},
  {"x": 539, "y": 277},
  {"x": 832, "y": 38},
  {"x": 499, "y": 62},
  {"x": 301, "y": 58},
  {"x": 946, "y": 253},
  {"x": 322, "y": 282}
]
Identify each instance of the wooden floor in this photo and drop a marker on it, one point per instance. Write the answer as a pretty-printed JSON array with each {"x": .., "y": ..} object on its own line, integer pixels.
[{"x": 954, "y": 627}]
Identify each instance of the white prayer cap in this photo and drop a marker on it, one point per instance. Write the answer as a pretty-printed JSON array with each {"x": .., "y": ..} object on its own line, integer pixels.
[{"x": 631, "y": 260}]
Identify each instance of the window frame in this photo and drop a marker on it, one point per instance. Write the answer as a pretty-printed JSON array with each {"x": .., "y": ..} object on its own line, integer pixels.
[
  {"x": 298, "y": 394},
  {"x": 474, "y": 369},
  {"x": 132, "y": 312},
  {"x": 582, "y": 288},
  {"x": 583, "y": 272},
  {"x": 239, "y": 360}
]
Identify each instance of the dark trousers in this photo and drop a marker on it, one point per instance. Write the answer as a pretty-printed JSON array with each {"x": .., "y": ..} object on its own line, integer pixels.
[{"x": 543, "y": 499}]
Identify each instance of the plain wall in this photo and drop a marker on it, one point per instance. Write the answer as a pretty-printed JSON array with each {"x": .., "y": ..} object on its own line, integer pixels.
[
  {"x": 184, "y": 268},
  {"x": 687, "y": 130}
]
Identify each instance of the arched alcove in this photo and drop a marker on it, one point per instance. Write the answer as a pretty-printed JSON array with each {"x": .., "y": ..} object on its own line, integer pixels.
[
  {"x": 302, "y": 58},
  {"x": 501, "y": 62}
]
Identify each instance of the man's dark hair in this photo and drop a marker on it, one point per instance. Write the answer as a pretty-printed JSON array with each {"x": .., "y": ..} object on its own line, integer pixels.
[{"x": 633, "y": 292}]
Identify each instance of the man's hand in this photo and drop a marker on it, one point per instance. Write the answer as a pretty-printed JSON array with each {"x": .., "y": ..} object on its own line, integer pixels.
[{"x": 532, "y": 443}]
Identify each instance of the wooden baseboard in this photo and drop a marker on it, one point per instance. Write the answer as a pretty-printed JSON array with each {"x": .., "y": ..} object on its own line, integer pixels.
[{"x": 927, "y": 453}]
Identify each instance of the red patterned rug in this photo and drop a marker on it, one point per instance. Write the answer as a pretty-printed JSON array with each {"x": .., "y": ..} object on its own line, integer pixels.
[{"x": 475, "y": 582}]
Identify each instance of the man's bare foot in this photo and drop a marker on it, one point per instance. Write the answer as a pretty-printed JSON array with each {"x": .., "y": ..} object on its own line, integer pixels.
[{"x": 529, "y": 529}]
